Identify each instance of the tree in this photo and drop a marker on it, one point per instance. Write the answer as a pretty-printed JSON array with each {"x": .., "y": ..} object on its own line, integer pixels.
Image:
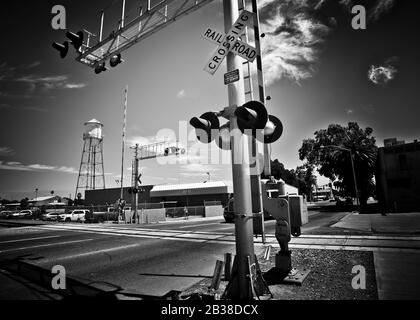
[
  {"x": 278, "y": 171},
  {"x": 330, "y": 153},
  {"x": 24, "y": 203},
  {"x": 301, "y": 178},
  {"x": 307, "y": 180}
]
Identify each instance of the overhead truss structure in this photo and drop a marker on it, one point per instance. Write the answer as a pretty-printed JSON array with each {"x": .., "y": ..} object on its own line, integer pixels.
[
  {"x": 150, "y": 20},
  {"x": 160, "y": 149}
]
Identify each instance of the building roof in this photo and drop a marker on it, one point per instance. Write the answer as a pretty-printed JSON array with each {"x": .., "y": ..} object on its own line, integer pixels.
[
  {"x": 211, "y": 187},
  {"x": 40, "y": 199}
]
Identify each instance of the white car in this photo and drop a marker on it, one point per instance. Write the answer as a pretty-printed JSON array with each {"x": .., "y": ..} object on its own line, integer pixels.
[
  {"x": 23, "y": 214},
  {"x": 78, "y": 215},
  {"x": 50, "y": 216}
]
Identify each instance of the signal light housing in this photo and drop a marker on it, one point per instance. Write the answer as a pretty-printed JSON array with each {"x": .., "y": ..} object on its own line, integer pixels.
[
  {"x": 100, "y": 68},
  {"x": 252, "y": 115},
  {"x": 223, "y": 140},
  {"x": 63, "y": 49},
  {"x": 76, "y": 38},
  {"x": 273, "y": 130},
  {"x": 205, "y": 126},
  {"x": 115, "y": 60}
]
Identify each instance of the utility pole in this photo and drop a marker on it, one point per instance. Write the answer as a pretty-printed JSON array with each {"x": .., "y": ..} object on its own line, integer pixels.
[
  {"x": 241, "y": 287},
  {"x": 355, "y": 180},
  {"x": 258, "y": 206},
  {"x": 136, "y": 180},
  {"x": 123, "y": 149}
]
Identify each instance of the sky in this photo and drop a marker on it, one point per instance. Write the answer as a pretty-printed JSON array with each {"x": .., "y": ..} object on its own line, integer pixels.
[{"x": 318, "y": 69}]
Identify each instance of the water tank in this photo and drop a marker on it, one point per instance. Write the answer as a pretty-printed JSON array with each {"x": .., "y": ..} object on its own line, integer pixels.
[{"x": 93, "y": 130}]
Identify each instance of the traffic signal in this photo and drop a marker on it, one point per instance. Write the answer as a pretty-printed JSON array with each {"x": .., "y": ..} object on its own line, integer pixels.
[
  {"x": 273, "y": 130},
  {"x": 100, "y": 68},
  {"x": 63, "y": 49},
  {"x": 223, "y": 140},
  {"x": 207, "y": 127},
  {"x": 251, "y": 116},
  {"x": 115, "y": 60},
  {"x": 75, "y": 38}
]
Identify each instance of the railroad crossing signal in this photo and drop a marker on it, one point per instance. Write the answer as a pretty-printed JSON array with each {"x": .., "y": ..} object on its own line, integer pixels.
[
  {"x": 76, "y": 39},
  {"x": 246, "y": 19},
  {"x": 252, "y": 116},
  {"x": 240, "y": 48}
]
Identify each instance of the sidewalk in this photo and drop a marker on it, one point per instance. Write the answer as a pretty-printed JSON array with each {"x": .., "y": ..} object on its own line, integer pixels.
[
  {"x": 398, "y": 223},
  {"x": 397, "y": 273}
]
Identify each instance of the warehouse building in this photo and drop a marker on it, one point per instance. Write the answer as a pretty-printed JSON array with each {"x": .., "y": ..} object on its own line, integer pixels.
[{"x": 180, "y": 195}]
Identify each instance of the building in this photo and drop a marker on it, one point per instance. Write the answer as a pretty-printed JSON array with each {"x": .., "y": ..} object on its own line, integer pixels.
[
  {"x": 43, "y": 201},
  {"x": 177, "y": 195},
  {"x": 398, "y": 176},
  {"x": 195, "y": 194},
  {"x": 111, "y": 196},
  {"x": 192, "y": 195}
]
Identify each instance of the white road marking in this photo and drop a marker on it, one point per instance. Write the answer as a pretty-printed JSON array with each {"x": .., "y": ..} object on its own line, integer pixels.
[
  {"x": 199, "y": 225},
  {"x": 46, "y": 245},
  {"x": 90, "y": 253},
  {"x": 326, "y": 242},
  {"x": 29, "y": 239}
]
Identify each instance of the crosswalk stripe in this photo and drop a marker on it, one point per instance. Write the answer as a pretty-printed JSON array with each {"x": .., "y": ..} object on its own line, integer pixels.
[
  {"x": 28, "y": 239},
  {"x": 45, "y": 245}
]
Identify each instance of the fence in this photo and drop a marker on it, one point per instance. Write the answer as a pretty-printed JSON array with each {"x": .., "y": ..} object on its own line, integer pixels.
[{"x": 179, "y": 212}]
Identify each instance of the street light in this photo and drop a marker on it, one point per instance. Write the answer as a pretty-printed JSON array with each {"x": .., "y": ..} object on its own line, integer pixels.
[
  {"x": 36, "y": 194},
  {"x": 352, "y": 167}
]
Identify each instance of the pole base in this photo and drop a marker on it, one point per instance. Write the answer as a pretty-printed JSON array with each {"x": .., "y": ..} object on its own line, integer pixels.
[
  {"x": 257, "y": 285},
  {"x": 284, "y": 262}
]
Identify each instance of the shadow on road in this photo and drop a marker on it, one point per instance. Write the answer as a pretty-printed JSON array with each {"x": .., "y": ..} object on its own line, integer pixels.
[{"x": 27, "y": 274}]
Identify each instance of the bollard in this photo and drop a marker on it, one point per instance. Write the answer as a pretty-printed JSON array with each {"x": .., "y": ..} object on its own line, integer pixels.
[
  {"x": 228, "y": 266},
  {"x": 217, "y": 276}
]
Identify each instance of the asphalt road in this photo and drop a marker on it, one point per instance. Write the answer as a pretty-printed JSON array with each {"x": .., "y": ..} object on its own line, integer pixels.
[{"x": 138, "y": 262}]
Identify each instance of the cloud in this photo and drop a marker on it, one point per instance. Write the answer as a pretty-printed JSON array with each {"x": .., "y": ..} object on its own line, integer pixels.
[
  {"x": 35, "y": 109},
  {"x": 4, "y": 68},
  {"x": 18, "y": 166},
  {"x": 381, "y": 7},
  {"x": 296, "y": 32},
  {"x": 198, "y": 170},
  {"x": 11, "y": 76},
  {"x": 6, "y": 151},
  {"x": 75, "y": 85},
  {"x": 294, "y": 39},
  {"x": 181, "y": 94},
  {"x": 49, "y": 82},
  {"x": 381, "y": 75},
  {"x": 4, "y": 105}
]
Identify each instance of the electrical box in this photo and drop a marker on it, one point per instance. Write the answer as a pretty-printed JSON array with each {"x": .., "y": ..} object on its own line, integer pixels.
[{"x": 298, "y": 211}]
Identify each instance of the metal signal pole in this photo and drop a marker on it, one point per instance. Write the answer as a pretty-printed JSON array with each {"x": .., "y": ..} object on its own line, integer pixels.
[
  {"x": 136, "y": 181},
  {"x": 123, "y": 145},
  {"x": 240, "y": 287}
]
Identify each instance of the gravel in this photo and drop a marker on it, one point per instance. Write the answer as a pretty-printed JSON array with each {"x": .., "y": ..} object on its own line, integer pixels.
[{"x": 330, "y": 277}]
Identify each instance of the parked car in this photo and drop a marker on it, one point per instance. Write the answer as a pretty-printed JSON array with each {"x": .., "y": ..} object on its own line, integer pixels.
[
  {"x": 23, "y": 214},
  {"x": 78, "y": 215},
  {"x": 50, "y": 216},
  {"x": 6, "y": 214}
]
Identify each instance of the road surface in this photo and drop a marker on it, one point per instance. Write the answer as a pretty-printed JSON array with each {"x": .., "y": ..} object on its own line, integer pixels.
[{"x": 150, "y": 261}]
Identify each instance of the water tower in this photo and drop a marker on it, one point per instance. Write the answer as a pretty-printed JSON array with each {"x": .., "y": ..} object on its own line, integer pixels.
[{"x": 91, "y": 172}]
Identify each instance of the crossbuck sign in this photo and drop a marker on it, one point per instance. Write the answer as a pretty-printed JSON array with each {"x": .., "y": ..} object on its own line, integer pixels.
[{"x": 230, "y": 42}]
